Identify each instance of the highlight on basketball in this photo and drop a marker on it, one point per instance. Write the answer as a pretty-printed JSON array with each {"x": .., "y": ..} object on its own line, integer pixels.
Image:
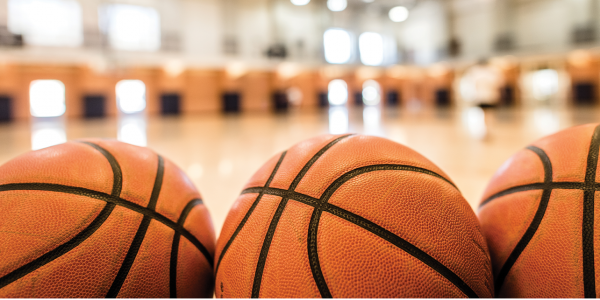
[{"x": 299, "y": 149}]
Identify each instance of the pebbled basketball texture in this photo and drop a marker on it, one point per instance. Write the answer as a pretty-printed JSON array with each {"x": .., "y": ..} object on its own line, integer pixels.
[
  {"x": 540, "y": 218},
  {"x": 101, "y": 218},
  {"x": 351, "y": 216}
]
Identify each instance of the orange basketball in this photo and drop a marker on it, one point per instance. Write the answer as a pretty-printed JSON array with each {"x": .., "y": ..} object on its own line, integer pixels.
[
  {"x": 351, "y": 216},
  {"x": 539, "y": 215},
  {"x": 101, "y": 218}
]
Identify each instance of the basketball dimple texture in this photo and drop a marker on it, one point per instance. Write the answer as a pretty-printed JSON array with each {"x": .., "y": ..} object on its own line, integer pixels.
[
  {"x": 100, "y": 218},
  {"x": 541, "y": 222},
  {"x": 351, "y": 216}
]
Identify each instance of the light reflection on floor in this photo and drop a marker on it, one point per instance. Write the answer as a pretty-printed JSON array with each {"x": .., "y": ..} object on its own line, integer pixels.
[{"x": 220, "y": 153}]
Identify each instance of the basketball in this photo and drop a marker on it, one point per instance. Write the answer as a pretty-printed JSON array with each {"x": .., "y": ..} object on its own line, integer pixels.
[
  {"x": 351, "y": 216},
  {"x": 539, "y": 217},
  {"x": 100, "y": 218}
]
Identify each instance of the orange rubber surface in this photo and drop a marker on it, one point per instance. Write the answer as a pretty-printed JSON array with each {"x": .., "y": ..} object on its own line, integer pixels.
[
  {"x": 351, "y": 216},
  {"x": 100, "y": 218},
  {"x": 540, "y": 218}
]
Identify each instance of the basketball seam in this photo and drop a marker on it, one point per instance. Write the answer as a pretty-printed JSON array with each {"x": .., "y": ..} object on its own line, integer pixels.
[
  {"x": 535, "y": 222},
  {"x": 565, "y": 185},
  {"x": 589, "y": 187},
  {"x": 80, "y": 237},
  {"x": 175, "y": 246},
  {"x": 275, "y": 221},
  {"x": 380, "y": 231},
  {"x": 116, "y": 168},
  {"x": 60, "y": 250},
  {"x": 249, "y": 212},
  {"x": 51, "y": 187},
  {"x": 589, "y": 273},
  {"x": 134, "y": 248}
]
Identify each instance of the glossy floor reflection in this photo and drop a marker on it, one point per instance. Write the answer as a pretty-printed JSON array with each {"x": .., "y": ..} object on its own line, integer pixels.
[{"x": 220, "y": 153}]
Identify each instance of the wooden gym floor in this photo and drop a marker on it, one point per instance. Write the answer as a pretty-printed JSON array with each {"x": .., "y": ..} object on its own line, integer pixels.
[{"x": 221, "y": 152}]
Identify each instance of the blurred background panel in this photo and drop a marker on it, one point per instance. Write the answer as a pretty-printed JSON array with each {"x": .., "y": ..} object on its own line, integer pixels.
[{"x": 221, "y": 85}]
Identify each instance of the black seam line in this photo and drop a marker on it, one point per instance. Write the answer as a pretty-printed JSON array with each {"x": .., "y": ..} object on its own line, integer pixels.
[
  {"x": 60, "y": 250},
  {"x": 134, "y": 248},
  {"x": 323, "y": 201},
  {"x": 51, "y": 187},
  {"x": 375, "y": 229},
  {"x": 313, "y": 255},
  {"x": 83, "y": 235},
  {"x": 313, "y": 160},
  {"x": 283, "y": 194},
  {"x": 116, "y": 168},
  {"x": 264, "y": 252},
  {"x": 319, "y": 203},
  {"x": 541, "y": 186},
  {"x": 589, "y": 272},
  {"x": 535, "y": 223},
  {"x": 404, "y": 245},
  {"x": 175, "y": 247},
  {"x": 382, "y": 167},
  {"x": 247, "y": 216}
]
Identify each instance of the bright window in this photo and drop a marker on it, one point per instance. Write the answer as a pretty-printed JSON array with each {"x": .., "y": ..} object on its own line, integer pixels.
[
  {"x": 370, "y": 45},
  {"x": 47, "y": 98},
  {"x": 337, "y": 92},
  {"x": 337, "y": 46},
  {"x": 46, "y": 22},
  {"x": 131, "y": 27},
  {"x": 337, "y": 5},
  {"x": 371, "y": 92},
  {"x": 544, "y": 84},
  {"x": 131, "y": 96}
]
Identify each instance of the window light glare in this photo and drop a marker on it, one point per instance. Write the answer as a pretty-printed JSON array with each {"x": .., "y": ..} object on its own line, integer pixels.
[
  {"x": 371, "y": 93},
  {"x": 398, "y": 14},
  {"x": 337, "y": 92},
  {"x": 133, "y": 131},
  {"x": 370, "y": 45},
  {"x": 337, "y": 5},
  {"x": 372, "y": 120},
  {"x": 300, "y": 2},
  {"x": 338, "y": 120},
  {"x": 47, "y": 98},
  {"x": 131, "y": 96},
  {"x": 46, "y": 137},
  {"x": 337, "y": 46}
]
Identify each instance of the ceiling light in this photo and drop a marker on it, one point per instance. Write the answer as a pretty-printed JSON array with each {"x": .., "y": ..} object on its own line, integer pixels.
[
  {"x": 398, "y": 14},
  {"x": 300, "y": 2}
]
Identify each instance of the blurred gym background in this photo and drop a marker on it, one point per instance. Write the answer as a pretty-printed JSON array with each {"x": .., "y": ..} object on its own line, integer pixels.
[{"x": 219, "y": 86}]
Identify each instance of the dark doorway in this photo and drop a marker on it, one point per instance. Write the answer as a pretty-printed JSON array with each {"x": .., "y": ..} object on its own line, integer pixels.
[
  {"x": 280, "y": 101},
  {"x": 393, "y": 98},
  {"x": 170, "y": 104},
  {"x": 584, "y": 93},
  {"x": 5, "y": 109},
  {"x": 358, "y": 100},
  {"x": 94, "y": 106},
  {"x": 231, "y": 102},
  {"x": 442, "y": 98},
  {"x": 323, "y": 100},
  {"x": 507, "y": 96}
]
